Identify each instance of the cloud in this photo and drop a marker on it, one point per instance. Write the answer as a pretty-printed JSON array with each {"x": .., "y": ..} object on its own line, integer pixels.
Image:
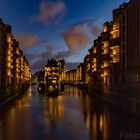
[
  {"x": 95, "y": 29},
  {"x": 27, "y": 40},
  {"x": 48, "y": 54},
  {"x": 76, "y": 38},
  {"x": 31, "y": 56},
  {"x": 79, "y": 36},
  {"x": 42, "y": 58},
  {"x": 71, "y": 65},
  {"x": 38, "y": 65},
  {"x": 50, "y": 12},
  {"x": 93, "y": 26}
]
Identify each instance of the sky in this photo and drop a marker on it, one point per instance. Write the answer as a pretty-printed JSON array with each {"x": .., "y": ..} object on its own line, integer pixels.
[{"x": 62, "y": 29}]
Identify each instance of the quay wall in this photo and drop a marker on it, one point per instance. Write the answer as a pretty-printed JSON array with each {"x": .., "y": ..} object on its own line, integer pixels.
[{"x": 125, "y": 98}]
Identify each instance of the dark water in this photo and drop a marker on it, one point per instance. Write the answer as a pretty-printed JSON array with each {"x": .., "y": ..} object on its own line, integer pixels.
[{"x": 75, "y": 115}]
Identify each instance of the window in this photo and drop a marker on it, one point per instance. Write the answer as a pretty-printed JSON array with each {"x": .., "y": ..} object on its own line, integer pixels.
[
  {"x": 123, "y": 38},
  {"x": 123, "y": 56},
  {"x": 123, "y": 29},
  {"x": 123, "y": 19},
  {"x": 123, "y": 47}
]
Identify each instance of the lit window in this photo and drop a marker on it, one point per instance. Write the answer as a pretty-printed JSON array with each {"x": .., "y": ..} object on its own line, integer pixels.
[
  {"x": 116, "y": 25},
  {"x": 8, "y": 38},
  {"x": 106, "y": 63},
  {"x": 106, "y": 44},
  {"x": 95, "y": 69},
  {"x": 106, "y": 72},
  {"x": 95, "y": 60},
  {"x": 95, "y": 50},
  {"x": 106, "y": 50},
  {"x": 105, "y": 28}
]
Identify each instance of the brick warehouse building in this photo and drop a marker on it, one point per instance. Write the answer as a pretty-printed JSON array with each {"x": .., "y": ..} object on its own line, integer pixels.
[
  {"x": 115, "y": 53},
  {"x": 133, "y": 45},
  {"x": 112, "y": 64},
  {"x": 5, "y": 47},
  {"x": 113, "y": 60},
  {"x": 14, "y": 67}
]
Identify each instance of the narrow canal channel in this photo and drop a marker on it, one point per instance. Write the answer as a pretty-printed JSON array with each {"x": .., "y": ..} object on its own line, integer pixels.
[{"x": 72, "y": 116}]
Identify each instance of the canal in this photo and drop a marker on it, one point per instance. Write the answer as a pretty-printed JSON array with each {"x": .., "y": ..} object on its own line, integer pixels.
[{"x": 74, "y": 115}]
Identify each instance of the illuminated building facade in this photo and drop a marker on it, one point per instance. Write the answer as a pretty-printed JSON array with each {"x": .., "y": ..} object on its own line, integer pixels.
[
  {"x": 55, "y": 71},
  {"x": 26, "y": 70},
  {"x": 106, "y": 57},
  {"x": 5, "y": 54},
  {"x": 105, "y": 61},
  {"x": 118, "y": 46},
  {"x": 71, "y": 76},
  {"x": 97, "y": 72},
  {"x": 77, "y": 75},
  {"x": 87, "y": 65},
  {"x": 13, "y": 65},
  {"x": 113, "y": 60},
  {"x": 80, "y": 72},
  {"x": 112, "y": 65}
]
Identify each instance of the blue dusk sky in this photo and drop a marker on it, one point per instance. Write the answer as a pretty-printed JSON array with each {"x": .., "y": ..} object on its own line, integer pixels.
[{"x": 56, "y": 28}]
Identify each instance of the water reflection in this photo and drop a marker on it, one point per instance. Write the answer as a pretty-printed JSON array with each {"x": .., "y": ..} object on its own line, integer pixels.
[
  {"x": 73, "y": 115},
  {"x": 105, "y": 121},
  {"x": 11, "y": 118},
  {"x": 96, "y": 118},
  {"x": 64, "y": 115}
]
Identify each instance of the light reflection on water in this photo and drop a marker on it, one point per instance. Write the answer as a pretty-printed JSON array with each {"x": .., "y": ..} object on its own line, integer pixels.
[{"x": 74, "y": 115}]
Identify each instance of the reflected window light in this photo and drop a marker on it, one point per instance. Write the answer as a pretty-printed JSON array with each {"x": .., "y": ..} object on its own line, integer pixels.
[{"x": 101, "y": 123}]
